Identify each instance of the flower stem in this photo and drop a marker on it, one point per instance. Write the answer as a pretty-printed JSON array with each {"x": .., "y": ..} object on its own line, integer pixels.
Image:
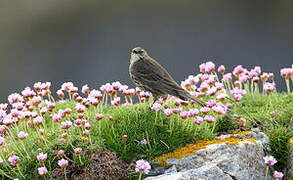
[
  {"x": 140, "y": 176},
  {"x": 267, "y": 173},
  {"x": 65, "y": 174},
  {"x": 20, "y": 171}
]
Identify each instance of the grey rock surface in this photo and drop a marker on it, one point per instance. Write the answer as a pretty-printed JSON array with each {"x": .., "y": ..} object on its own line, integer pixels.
[
  {"x": 241, "y": 161},
  {"x": 290, "y": 160}
]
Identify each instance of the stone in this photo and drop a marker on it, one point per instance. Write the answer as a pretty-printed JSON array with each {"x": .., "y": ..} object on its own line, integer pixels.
[
  {"x": 239, "y": 160},
  {"x": 290, "y": 160}
]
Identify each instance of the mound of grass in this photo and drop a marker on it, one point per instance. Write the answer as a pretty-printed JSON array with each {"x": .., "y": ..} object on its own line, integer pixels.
[{"x": 135, "y": 132}]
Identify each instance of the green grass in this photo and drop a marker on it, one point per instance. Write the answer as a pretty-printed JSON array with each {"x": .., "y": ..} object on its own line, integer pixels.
[
  {"x": 138, "y": 122},
  {"x": 256, "y": 108}
]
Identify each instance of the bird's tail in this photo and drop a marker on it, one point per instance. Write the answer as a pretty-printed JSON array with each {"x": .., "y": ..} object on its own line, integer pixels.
[{"x": 186, "y": 96}]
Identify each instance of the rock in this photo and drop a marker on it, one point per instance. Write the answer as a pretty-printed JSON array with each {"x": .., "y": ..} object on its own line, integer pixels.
[
  {"x": 290, "y": 160},
  {"x": 174, "y": 176},
  {"x": 202, "y": 173},
  {"x": 238, "y": 157}
]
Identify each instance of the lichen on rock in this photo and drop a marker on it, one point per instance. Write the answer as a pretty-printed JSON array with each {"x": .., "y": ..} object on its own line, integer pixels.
[{"x": 239, "y": 156}]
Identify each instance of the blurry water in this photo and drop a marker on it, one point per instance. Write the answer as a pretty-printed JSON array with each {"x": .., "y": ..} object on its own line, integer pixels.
[{"x": 89, "y": 41}]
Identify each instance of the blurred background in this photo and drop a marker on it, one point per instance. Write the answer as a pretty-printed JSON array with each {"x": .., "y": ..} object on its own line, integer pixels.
[{"x": 88, "y": 42}]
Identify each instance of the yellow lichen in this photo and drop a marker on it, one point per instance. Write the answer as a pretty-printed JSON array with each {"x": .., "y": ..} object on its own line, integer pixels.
[
  {"x": 240, "y": 132},
  {"x": 290, "y": 141},
  {"x": 189, "y": 149}
]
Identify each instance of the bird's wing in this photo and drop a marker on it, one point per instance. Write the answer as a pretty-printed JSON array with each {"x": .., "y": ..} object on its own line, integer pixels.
[{"x": 153, "y": 73}]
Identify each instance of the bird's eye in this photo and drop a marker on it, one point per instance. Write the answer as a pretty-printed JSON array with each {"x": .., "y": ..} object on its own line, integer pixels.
[{"x": 140, "y": 52}]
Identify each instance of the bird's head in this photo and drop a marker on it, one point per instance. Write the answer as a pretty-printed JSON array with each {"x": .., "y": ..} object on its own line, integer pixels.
[{"x": 137, "y": 53}]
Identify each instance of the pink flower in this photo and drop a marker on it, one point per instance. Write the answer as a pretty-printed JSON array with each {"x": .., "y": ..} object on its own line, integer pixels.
[
  {"x": 211, "y": 103},
  {"x": 42, "y": 157},
  {"x": 67, "y": 86},
  {"x": 38, "y": 86},
  {"x": 42, "y": 171},
  {"x": 66, "y": 124},
  {"x": 8, "y": 120},
  {"x": 116, "y": 101},
  {"x": 270, "y": 160},
  {"x": 116, "y": 85},
  {"x": 198, "y": 120},
  {"x": 108, "y": 88},
  {"x": 22, "y": 135},
  {"x": 41, "y": 131},
  {"x": 238, "y": 70},
  {"x": 128, "y": 92},
  {"x": 177, "y": 110},
  {"x": 221, "y": 96},
  {"x": 2, "y": 140},
  {"x": 193, "y": 112},
  {"x": 219, "y": 109},
  {"x": 168, "y": 112},
  {"x": 63, "y": 163},
  {"x": 2, "y": 130},
  {"x": 64, "y": 135},
  {"x": 86, "y": 132},
  {"x": 286, "y": 72},
  {"x": 27, "y": 92},
  {"x": 255, "y": 79},
  {"x": 243, "y": 78},
  {"x": 278, "y": 175},
  {"x": 4, "y": 107},
  {"x": 2, "y": 115},
  {"x": 93, "y": 101},
  {"x": 85, "y": 89},
  {"x": 60, "y": 93},
  {"x": 125, "y": 137},
  {"x": 237, "y": 97},
  {"x": 264, "y": 76},
  {"x": 36, "y": 100},
  {"x": 219, "y": 86},
  {"x": 273, "y": 113},
  {"x": 212, "y": 91},
  {"x": 184, "y": 114},
  {"x": 269, "y": 87},
  {"x": 257, "y": 69},
  {"x": 77, "y": 150},
  {"x": 227, "y": 77},
  {"x": 79, "y": 108},
  {"x": 209, "y": 119},
  {"x": 204, "y": 110},
  {"x": 15, "y": 98},
  {"x": 87, "y": 126},
  {"x": 1, "y": 160},
  {"x": 156, "y": 107},
  {"x": 142, "y": 166},
  {"x": 204, "y": 77},
  {"x": 221, "y": 69},
  {"x": 38, "y": 120},
  {"x": 209, "y": 67},
  {"x": 43, "y": 110},
  {"x": 99, "y": 116},
  {"x": 95, "y": 94},
  {"x": 14, "y": 160},
  {"x": 56, "y": 117},
  {"x": 238, "y": 91}
]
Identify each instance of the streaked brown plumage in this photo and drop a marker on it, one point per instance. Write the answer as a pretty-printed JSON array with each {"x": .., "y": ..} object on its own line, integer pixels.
[{"x": 150, "y": 76}]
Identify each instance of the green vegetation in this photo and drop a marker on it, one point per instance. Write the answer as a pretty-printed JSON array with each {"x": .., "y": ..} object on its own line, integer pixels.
[{"x": 132, "y": 124}]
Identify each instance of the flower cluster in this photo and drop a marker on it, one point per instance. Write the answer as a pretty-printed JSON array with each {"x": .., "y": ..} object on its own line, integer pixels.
[
  {"x": 34, "y": 108},
  {"x": 270, "y": 161}
]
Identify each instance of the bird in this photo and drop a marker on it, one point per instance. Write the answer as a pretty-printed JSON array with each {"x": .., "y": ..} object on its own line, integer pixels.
[{"x": 149, "y": 75}]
